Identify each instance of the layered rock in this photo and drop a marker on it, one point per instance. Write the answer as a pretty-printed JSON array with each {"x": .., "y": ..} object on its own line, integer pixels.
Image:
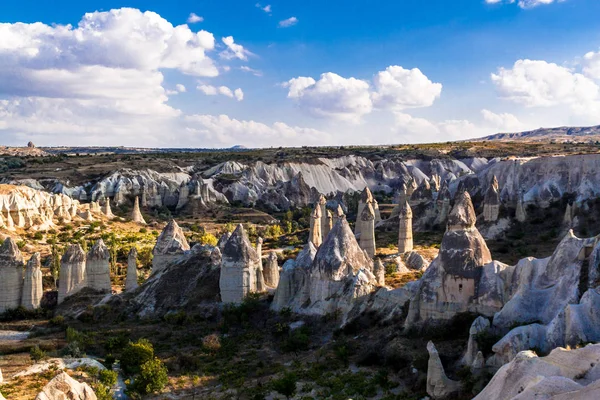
[
  {"x": 271, "y": 271},
  {"x": 367, "y": 234},
  {"x": 439, "y": 386},
  {"x": 405, "y": 235},
  {"x": 65, "y": 387},
  {"x": 32, "y": 286},
  {"x": 97, "y": 267},
  {"x": 170, "y": 245},
  {"x": 136, "y": 214},
  {"x": 71, "y": 278},
  {"x": 239, "y": 268},
  {"x": 131, "y": 281},
  {"x": 11, "y": 275},
  {"x": 314, "y": 234}
]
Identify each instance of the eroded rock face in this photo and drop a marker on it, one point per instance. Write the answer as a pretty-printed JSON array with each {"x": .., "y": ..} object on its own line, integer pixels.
[
  {"x": 98, "y": 267},
  {"x": 239, "y": 268},
  {"x": 293, "y": 290},
  {"x": 271, "y": 271},
  {"x": 72, "y": 273},
  {"x": 223, "y": 240},
  {"x": 379, "y": 272},
  {"x": 170, "y": 245},
  {"x": 439, "y": 386},
  {"x": 479, "y": 326},
  {"x": 315, "y": 235},
  {"x": 11, "y": 275},
  {"x": 562, "y": 375},
  {"x": 131, "y": 281},
  {"x": 491, "y": 202},
  {"x": 32, "y": 286},
  {"x": 63, "y": 387}
]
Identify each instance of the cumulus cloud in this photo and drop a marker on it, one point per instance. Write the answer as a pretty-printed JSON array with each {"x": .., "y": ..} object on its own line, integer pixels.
[
  {"x": 536, "y": 83},
  {"x": 420, "y": 130},
  {"x": 193, "y": 18},
  {"x": 332, "y": 96},
  {"x": 234, "y": 50},
  {"x": 180, "y": 88},
  {"x": 210, "y": 90},
  {"x": 398, "y": 88},
  {"x": 286, "y": 23},
  {"x": 591, "y": 65},
  {"x": 349, "y": 99},
  {"x": 502, "y": 122},
  {"x": 230, "y": 131}
]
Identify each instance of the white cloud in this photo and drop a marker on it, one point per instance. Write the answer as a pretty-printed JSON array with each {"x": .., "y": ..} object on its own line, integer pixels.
[
  {"x": 254, "y": 72},
  {"x": 398, "y": 88},
  {"x": 332, "y": 96},
  {"x": 591, "y": 65},
  {"x": 234, "y": 50},
  {"x": 543, "y": 84},
  {"x": 420, "y": 130},
  {"x": 193, "y": 18},
  {"x": 505, "y": 122},
  {"x": 286, "y": 23},
  {"x": 210, "y": 90},
  {"x": 180, "y": 88},
  {"x": 229, "y": 131},
  {"x": 525, "y": 4},
  {"x": 266, "y": 8}
]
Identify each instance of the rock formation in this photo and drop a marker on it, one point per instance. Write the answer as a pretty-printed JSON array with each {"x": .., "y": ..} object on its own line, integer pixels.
[
  {"x": 259, "y": 243},
  {"x": 367, "y": 234},
  {"x": 405, "y": 235},
  {"x": 328, "y": 224},
  {"x": 479, "y": 326},
  {"x": 271, "y": 272},
  {"x": 315, "y": 234},
  {"x": 569, "y": 215},
  {"x": 491, "y": 202},
  {"x": 439, "y": 386},
  {"x": 323, "y": 205},
  {"x": 11, "y": 275},
  {"x": 239, "y": 267},
  {"x": 339, "y": 214},
  {"x": 379, "y": 272},
  {"x": 520, "y": 213},
  {"x": 32, "y": 286},
  {"x": 293, "y": 290},
  {"x": 72, "y": 273},
  {"x": 443, "y": 204},
  {"x": 170, "y": 245},
  {"x": 106, "y": 210},
  {"x": 223, "y": 240},
  {"x": 449, "y": 286},
  {"x": 366, "y": 197},
  {"x": 65, "y": 387},
  {"x": 136, "y": 214},
  {"x": 131, "y": 281},
  {"x": 97, "y": 267}
]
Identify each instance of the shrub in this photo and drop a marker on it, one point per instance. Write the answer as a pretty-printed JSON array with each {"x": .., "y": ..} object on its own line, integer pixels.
[
  {"x": 108, "y": 377},
  {"x": 59, "y": 320},
  {"x": 286, "y": 385},
  {"x": 298, "y": 340},
  {"x": 211, "y": 342},
  {"x": 209, "y": 239},
  {"x": 152, "y": 378},
  {"x": 135, "y": 355},
  {"x": 36, "y": 354}
]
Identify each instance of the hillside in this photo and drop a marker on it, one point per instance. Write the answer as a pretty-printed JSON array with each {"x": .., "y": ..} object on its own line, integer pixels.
[{"x": 559, "y": 135}]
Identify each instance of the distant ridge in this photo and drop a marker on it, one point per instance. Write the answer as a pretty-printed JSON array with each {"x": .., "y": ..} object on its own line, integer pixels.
[{"x": 561, "y": 134}]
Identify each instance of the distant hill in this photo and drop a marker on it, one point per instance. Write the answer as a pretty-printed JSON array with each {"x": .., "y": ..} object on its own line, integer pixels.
[{"x": 562, "y": 134}]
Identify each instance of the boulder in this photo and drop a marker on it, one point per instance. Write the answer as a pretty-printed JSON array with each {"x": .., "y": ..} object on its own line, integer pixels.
[
  {"x": 63, "y": 387},
  {"x": 293, "y": 290}
]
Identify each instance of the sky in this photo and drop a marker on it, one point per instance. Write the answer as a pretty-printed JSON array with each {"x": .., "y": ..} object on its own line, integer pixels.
[{"x": 219, "y": 73}]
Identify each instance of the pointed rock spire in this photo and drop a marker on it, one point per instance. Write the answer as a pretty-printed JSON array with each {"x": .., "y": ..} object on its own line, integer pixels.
[
  {"x": 329, "y": 224},
  {"x": 223, "y": 240},
  {"x": 107, "y": 211},
  {"x": 131, "y": 281},
  {"x": 462, "y": 215},
  {"x": 271, "y": 272},
  {"x": 170, "y": 245},
  {"x": 379, "y": 272},
  {"x": 366, "y": 197},
  {"x": 239, "y": 268},
  {"x": 491, "y": 202},
  {"x": 520, "y": 213},
  {"x": 72, "y": 273},
  {"x": 405, "y": 234},
  {"x": 315, "y": 235},
  {"x": 136, "y": 214},
  {"x": 439, "y": 386},
  {"x": 11, "y": 275},
  {"x": 98, "y": 267},
  {"x": 32, "y": 286},
  {"x": 367, "y": 235}
]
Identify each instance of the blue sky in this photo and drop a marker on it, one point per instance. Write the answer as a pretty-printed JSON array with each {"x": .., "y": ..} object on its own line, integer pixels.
[{"x": 351, "y": 72}]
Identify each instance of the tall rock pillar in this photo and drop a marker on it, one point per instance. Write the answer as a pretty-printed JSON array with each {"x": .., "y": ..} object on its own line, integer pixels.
[
  {"x": 367, "y": 235},
  {"x": 405, "y": 235},
  {"x": 11, "y": 275},
  {"x": 32, "y": 286}
]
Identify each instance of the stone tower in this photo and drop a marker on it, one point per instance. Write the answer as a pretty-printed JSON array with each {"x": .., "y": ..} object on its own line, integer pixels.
[
  {"x": 367, "y": 235},
  {"x": 366, "y": 197},
  {"x": 131, "y": 282},
  {"x": 170, "y": 245},
  {"x": 491, "y": 202},
  {"x": 315, "y": 235},
  {"x": 97, "y": 267},
  {"x": 71, "y": 278},
  {"x": 405, "y": 236},
  {"x": 11, "y": 275},
  {"x": 238, "y": 268},
  {"x": 271, "y": 272},
  {"x": 32, "y": 286},
  {"x": 136, "y": 214}
]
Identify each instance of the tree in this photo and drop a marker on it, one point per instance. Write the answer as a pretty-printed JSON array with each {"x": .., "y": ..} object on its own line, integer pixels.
[
  {"x": 152, "y": 378},
  {"x": 286, "y": 385},
  {"x": 135, "y": 355}
]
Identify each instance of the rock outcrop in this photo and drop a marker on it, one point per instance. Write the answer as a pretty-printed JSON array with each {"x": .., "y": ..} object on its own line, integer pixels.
[
  {"x": 170, "y": 245},
  {"x": 239, "y": 268},
  {"x": 293, "y": 290},
  {"x": 366, "y": 197},
  {"x": 131, "y": 281},
  {"x": 315, "y": 235},
  {"x": 106, "y": 210},
  {"x": 11, "y": 275},
  {"x": 72, "y": 273},
  {"x": 405, "y": 234},
  {"x": 379, "y": 272},
  {"x": 439, "y": 386},
  {"x": 97, "y": 267},
  {"x": 491, "y": 202},
  {"x": 271, "y": 271},
  {"x": 32, "y": 286},
  {"x": 136, "y": 214},
  {"x": 223, "y": 240},
  {"x": 479, "y": 326},
  {"x": 65, "y": 387},
  {"x": 367, "y": 234}
]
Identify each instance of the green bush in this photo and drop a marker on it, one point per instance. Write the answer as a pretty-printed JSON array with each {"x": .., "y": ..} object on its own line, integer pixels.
[
  {"x": 135, "y": 355},
  {"x": 152, "y": 378},
  {"x": 37, "y": 354},
  {"x": 108, "y": 377},
  {"x": 286, "y": 385}
]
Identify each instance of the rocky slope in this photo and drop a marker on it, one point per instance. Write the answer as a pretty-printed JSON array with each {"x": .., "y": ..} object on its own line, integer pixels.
[{"x": 561, "y": 134}]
